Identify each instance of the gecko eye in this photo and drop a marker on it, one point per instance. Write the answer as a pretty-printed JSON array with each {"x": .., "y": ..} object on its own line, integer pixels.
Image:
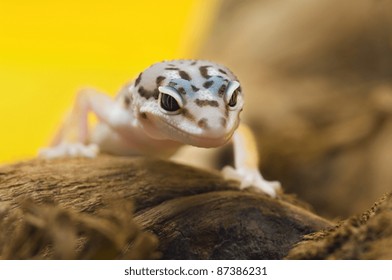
[
  {"x": 168, "y": 103},
  {"x": 233, "y": 96},
  {"x": 233, "y": 99}
]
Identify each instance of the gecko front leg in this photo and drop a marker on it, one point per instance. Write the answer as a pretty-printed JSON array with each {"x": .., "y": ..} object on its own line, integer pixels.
[
  {"x": 246, "y": 163},
  {"x": 72, "y": 138}
]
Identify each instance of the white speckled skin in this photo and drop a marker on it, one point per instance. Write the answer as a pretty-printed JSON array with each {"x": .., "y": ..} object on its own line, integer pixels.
[{"x": 170, "y": 104}]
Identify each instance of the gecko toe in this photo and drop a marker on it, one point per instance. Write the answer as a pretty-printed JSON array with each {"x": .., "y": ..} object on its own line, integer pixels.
[
  {"x": 69, "y": 150},
  {"x": 249, "y": 178}
]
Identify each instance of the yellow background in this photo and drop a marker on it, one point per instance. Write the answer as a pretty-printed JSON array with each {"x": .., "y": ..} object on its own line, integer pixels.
[{"x": 50, "y": 49}]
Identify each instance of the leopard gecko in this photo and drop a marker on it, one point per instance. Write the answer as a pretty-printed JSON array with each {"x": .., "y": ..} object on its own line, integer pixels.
[{"x": 170, "y": 104}]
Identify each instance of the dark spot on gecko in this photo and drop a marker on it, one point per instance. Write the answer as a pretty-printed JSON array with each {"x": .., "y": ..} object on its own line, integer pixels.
[
  {"x": 187, "y": 115},
  {"x": 222, "y": 71},
  {"x": 181, "y": 90},
  {"x": 195, "y": 89},
  {"x": 156, "y": 93},
  {"x": 127, "y": 101},
  {"x": 193, "y": 63},
  {"x": 208, "y": 84},
  {"x": 184, "y": 75},
  {"x": 223, "y": 122},
  {"x": 148, "y": 93},
  {"x": 138, "y": 79},
  {"x": 159, "y": 80},
  {"x": 172, "y": 68},
  {"x": 222, "y": 90},
  {"x": 202, "y": 123},
  {"x": 143, "y": 115},
  {"x": 226, "y": 113},
  {"x": 204, "y": 72},
  {"x": 202, "y": 103},
  {"x": 172, "y": 84}
]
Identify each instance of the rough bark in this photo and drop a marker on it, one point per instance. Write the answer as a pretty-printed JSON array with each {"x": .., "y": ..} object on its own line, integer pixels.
[
  {"x": 80, "y": 208},
  {"x": 362, "y": 237}
]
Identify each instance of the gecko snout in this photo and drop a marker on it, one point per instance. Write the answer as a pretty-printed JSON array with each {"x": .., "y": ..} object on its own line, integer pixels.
[{"x": 214, "y": 127}]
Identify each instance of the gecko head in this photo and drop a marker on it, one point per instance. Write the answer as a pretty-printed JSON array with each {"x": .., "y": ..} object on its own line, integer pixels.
[{"x": 203, "y": 114}]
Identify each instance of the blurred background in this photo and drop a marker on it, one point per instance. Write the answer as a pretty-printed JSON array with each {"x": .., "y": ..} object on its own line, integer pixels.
[{"x": 317, "y": 77}]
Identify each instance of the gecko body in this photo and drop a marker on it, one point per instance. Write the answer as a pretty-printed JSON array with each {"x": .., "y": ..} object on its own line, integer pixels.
[{"x": 170, "y": 104}]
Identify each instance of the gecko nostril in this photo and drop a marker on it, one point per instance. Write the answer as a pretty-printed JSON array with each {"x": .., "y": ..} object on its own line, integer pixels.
[{"x": 202, "y": 123}]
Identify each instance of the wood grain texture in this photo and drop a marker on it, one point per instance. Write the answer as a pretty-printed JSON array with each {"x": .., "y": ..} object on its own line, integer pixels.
[{"x": 195, "y": 214}]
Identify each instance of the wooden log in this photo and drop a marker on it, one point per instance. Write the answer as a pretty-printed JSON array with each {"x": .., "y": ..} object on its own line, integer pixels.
[{"x": 79, "y": 208}]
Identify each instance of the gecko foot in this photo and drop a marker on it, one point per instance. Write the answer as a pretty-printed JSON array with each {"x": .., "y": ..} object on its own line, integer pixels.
[
  {"x": 251, "y": 177},
  {"x": 69, "y": 150}
]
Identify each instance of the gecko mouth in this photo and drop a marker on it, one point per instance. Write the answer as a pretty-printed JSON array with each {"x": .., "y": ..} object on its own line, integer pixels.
[
  {"x": 186, "y": 137},
  {"x": 206, "y": 142}
]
